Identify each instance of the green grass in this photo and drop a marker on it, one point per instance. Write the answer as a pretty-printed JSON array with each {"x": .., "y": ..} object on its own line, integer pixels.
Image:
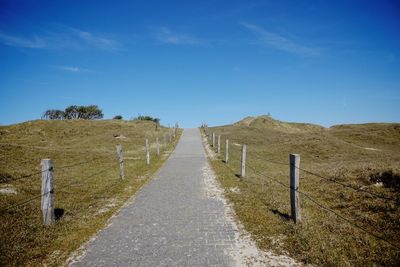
[
  {"x": 88, "y": 194},
  {"x": 339, "y": 153}
]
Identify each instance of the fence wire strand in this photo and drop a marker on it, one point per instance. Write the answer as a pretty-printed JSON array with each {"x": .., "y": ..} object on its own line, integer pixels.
[
  {"x": 25, "y": 176},
  {"x": 24, "y": 202},
  {"x": 317, "y": 203},
  {"x": 346, "y": 185},
  {"x": 312, "y": 199}
]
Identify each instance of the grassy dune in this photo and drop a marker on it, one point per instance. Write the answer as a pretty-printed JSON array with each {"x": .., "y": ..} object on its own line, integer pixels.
[
  {"x": 86, "y": 194},
  {"x": 358, "y": 169}
]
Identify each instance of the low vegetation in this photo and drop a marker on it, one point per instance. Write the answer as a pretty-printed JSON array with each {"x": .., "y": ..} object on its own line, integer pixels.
[
  {"x": 147, "y": 118},
  {"x": 88, "y": 189},
  {"x": 91, "y": 112},
  {"x": 117, "y": 117},
  {"x": 354, "y": 170}
]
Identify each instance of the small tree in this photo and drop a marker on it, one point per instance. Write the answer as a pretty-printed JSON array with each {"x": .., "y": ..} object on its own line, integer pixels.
[
  {"x": 46, "y": 115},
  {"x": 53, "y": 114},
  {"x": 117, "y": 117},
  {"x": 91, "y": 112},
  {"x": 71, "y": 112},
  {"x": 59, "y": 114}
]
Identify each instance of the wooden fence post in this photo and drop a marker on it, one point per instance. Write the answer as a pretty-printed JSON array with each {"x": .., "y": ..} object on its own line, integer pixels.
[
  {"x": 294, "y": 187},
  {"x": 157, "y": 147},
  {"x": 219, "y": 144},
  {"x": 243, "y": 172},
  {"x": 226, "y": 150},
  {"x": 176, "y": 129},
  {"x": 147, "y": 152},
  {"x": 121, "y": 161},
  {"x": 47, "y": 204},
  {"x": 213, "y": 139}
]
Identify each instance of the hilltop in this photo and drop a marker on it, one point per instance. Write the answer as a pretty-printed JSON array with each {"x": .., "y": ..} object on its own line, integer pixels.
[
  {"x": 265, "y": 121},
  {"x": 372, "y": 136},
  {"x": 350, "y": 170}
]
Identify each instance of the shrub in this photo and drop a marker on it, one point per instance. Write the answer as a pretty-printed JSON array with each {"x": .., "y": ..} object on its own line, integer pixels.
[
  {"x": 147, "y": 118},
  {"x": 53, "y": 114},
  {"x": 91, "y": 112}
]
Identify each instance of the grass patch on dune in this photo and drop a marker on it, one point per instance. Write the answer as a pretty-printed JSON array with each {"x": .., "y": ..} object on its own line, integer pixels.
[
  {"x": 338, "y": 153},
  {"x": 86, "y": 194}
]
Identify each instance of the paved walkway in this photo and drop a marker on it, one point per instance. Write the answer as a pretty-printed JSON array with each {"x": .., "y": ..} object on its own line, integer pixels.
[{"x": 171, "y": 222}]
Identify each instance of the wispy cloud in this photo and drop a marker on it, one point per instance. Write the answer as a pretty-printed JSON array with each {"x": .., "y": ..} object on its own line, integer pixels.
[
  {"x": 97, "y": 41},
  {"x": 165, "y": 35},
  {"x": 18, "y": 41},
  {"x": 62, "y": 38},
  {"x": 279, "y": 42},
  {"x": 71, "y": 69}
]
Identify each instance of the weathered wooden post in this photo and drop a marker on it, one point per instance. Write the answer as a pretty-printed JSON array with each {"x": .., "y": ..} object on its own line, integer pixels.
[
  {"x": 213, "y": 139},
  {"x": 205, "y": 129},
  {"x": 176, "y": 129},
  {"x": 147, "y": 152},
  {"x": 47, "y": 204},
  {"x": 121, "y": 161},
  {"x": 219, "y": 144},
  {"x": 226, "y": 150},
  {"x": 157, "y": 147},
  {"x": 243, "y": 172},
  {"x": 294, "y": 187}
]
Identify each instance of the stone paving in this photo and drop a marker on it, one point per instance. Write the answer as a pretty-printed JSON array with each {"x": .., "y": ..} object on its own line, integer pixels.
[{"x": 171, "y": 222}]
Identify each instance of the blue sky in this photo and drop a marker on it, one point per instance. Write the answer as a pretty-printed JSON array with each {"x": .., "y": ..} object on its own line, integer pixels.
[{"x": 324, "y": 62}]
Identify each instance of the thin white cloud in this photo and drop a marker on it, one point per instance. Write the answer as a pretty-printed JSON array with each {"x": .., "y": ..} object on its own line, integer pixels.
[
  {"x": 279, "y": 42},
  {"x": 71, "y": 69},
  {"x": 17, "y": 41},
  {"x": 165, "y": 35},
  {"x": 62, "y": 38},
  {"x": 97, "y": 41}
]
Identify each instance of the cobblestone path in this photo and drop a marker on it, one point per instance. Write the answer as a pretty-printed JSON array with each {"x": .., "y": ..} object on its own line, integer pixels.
[{"x": 171, "y": 222}]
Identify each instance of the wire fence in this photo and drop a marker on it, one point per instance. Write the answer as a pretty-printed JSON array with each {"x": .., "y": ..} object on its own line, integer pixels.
[
  {"x": 263, "y": 175},
  {"x": 64, "y": 170}
]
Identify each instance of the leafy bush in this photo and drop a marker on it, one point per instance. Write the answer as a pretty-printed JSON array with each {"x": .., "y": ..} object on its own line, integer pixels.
[
  {"x": 117, "y": 117},
  {"x": 147, "y": 118},
  {"x": 53, "y": 114},
  {"x": 91, "y": 112}
]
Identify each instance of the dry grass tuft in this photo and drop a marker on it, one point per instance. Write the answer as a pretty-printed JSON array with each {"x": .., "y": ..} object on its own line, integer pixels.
[
  {"x": 86, "y": 195},
  {"x": 358, "y": 177}
]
